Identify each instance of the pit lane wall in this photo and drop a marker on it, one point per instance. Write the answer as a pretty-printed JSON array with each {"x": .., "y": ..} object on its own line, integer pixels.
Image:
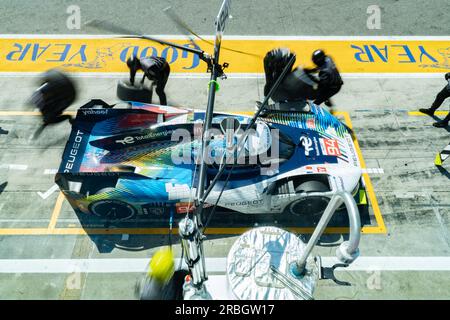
[{"x": 37, "y": 53}]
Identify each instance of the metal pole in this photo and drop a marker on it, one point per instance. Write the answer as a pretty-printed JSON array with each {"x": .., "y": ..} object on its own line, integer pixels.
[
  {"x": 348, "y": 249},
  {"x": 205, "y": 137},
  {"x": 193, "y": 244}
]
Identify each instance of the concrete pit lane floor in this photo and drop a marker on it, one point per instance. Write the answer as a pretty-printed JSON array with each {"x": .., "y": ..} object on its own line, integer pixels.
[{"x": 48, "y": 252}]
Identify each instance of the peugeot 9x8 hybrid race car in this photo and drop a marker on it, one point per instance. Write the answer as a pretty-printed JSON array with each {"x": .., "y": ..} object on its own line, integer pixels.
[{"x": 120, "y": 162}]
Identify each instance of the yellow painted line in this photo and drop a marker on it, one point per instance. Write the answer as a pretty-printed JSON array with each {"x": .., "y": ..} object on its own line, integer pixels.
[
  {"x": 56, "y": 211},
  {"x": 108, "y": 54},
  {"x": 418, "y": 113},
  {"x": 23, "y": 231},
  {"x": 29, "y": 113},
  {"x": 381, "y": 228}
]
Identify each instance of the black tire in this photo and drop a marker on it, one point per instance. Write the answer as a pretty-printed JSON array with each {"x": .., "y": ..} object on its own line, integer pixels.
[
  {"x": 138, "y": 93},
  {"x": 310, "y": 205},
  {"x": 111, "y": 209}
]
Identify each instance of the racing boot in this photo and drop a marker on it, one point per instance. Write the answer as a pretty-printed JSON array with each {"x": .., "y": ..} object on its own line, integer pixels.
[
  {"x": 441, "y": 124},
  {"x": 429, "y": 111}
]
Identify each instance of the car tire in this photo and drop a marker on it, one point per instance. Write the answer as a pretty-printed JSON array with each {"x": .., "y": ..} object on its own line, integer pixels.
[
  {"x": 111, "y": 209},
  {"x": 137, "y": 92},
  {"x": 310, "y": 205}
]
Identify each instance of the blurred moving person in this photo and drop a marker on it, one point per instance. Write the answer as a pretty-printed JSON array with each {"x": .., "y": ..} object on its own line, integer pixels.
[
  {"x": 295, "y": 88},
  {"x": 329, "y": 80},
  {"x": 274, "y": 63},
  {"x": 440, "y": 98},
  {"x": 56, "y": 93},
  {"x": 162, "y": 282},
  {"x": 155, "y": 69}
]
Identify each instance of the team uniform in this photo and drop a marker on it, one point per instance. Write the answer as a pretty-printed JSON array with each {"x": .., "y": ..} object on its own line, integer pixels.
[
  {"x": 329, "y": 80},
  {"x": 440, "y": 98},
  {"x": 155, "y": 69}
]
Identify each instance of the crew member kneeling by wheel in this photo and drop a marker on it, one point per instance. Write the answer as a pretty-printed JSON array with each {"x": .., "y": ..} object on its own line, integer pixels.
[{"x": 155, "y": 69}]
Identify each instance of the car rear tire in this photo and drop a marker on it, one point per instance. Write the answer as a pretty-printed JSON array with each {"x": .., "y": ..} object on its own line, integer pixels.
[
  {"x": 137, "y": 92},
  {"x": 310, "y": 205},
  {"x": 111, "y": 209}
]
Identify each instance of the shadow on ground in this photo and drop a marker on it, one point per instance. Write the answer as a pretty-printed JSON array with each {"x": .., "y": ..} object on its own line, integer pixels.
[
  {"x": 223, "y": 219},
  {"x": 444, "y": 171},
  {"x": 3, "y": 187}
]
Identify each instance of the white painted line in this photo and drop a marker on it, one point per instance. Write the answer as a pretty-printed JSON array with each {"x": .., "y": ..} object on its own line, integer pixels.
[
  {"x": 213, "y": 265},
  {"x": 373, "y": 170},
  {"x": 395, "y": 263},
  {"x": 20, "y": 167},
  {"x": 50, "y": 171},
  {"x": 49, "y": 192},
  {"x": 91, "y": 265},
  {"x": 410, "y": 195},
  {"x": 228, "y": 37},
  {"x": 178, "y": 75}
]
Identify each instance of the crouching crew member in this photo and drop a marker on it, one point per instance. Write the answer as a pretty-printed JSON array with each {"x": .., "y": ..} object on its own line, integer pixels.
[
  {"x": 155, "y": 69},
  {"x": 274, "y": 63},
  {"x": 440, "y": 98},
  {"x": 161, "y": 270},
  {"x": 329, "y": 80}
]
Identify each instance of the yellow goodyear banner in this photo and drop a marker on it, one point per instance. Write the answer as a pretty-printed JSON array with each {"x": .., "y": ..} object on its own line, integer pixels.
[{"x": 100, "y": 54}]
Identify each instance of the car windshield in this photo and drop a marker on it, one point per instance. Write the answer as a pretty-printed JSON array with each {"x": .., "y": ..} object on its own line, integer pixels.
[{"x": 264, "y": 146}]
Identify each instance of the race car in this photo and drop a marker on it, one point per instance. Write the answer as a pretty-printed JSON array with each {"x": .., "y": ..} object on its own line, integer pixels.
[{"x": 136, "y": 159}]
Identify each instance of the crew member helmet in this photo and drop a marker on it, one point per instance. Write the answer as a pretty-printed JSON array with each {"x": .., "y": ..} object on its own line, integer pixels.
[
  {"x": 318, "y": 57},
  {"x": 162, "y": 265}
]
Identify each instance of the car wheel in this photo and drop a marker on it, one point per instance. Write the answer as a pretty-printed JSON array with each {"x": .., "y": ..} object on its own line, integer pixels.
[
  {"x": 137, "y": 92},
  {"x": 112, "y": 209},
  {"x": 309, "y": 205}
]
